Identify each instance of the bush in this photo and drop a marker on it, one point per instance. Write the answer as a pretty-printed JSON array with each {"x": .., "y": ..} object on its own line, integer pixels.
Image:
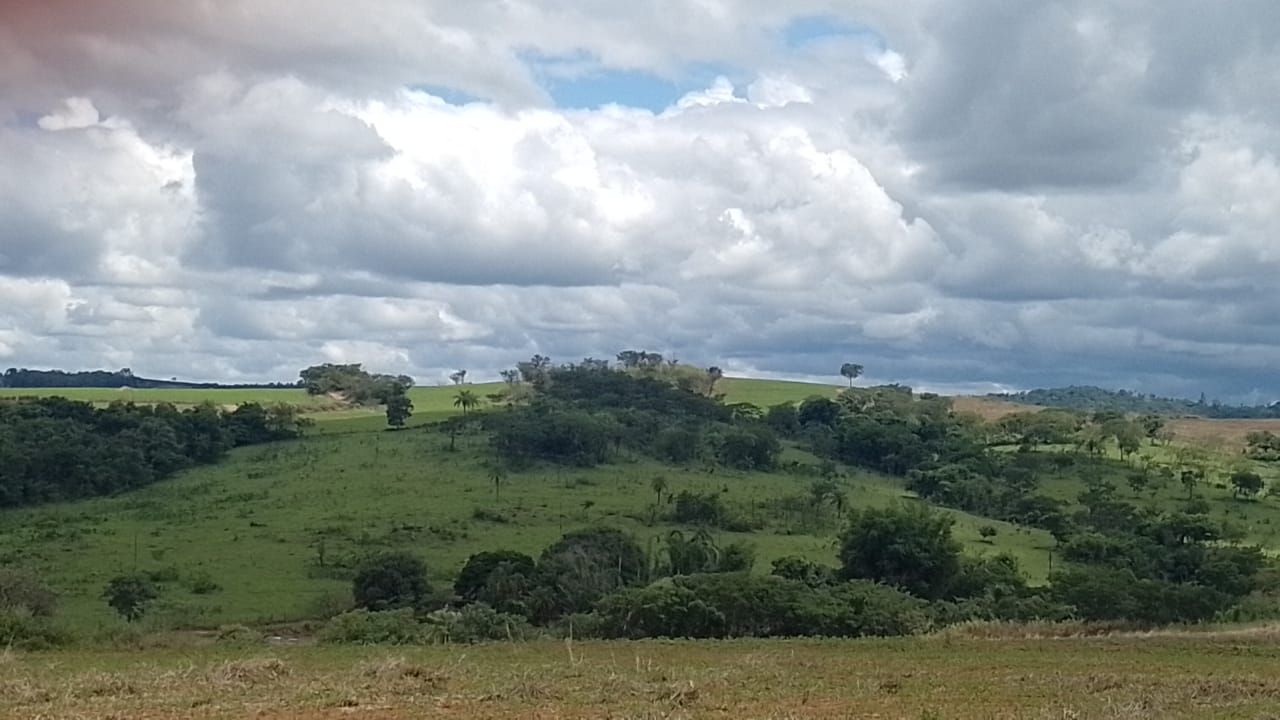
[
  {"x": 129, "y": 595},
  {"x": 794, "y": 567},
  {"x": 477, "y": 623},
  {"x": 677, "y": 445},
  {"x": 362, "y": 627},
  {"x": 390, "y": 580},
  {"x": 698, "y": 508},
  {"x": 662, "y": 610},
  {"x": 751, "y": 448},
  {"x": 908, "y": 547},
  {"x": 201, "y": 583},
  {"x": 501, "y": 579},
  {"x": 1108, "y": 594},
  {"x": 22, "y": 590},
  {"x": 584, "y": 566},
  {"x": 770, "y": 606},
  {"x": 239, "y": 635},
  {"x": 20, "y": 628}
]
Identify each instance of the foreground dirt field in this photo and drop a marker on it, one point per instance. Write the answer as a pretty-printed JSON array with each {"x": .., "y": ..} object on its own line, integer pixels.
[{"x": 1208, "y": 676}]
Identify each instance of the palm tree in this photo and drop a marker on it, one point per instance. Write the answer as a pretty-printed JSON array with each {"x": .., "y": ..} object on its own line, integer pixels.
[
  {"x": 659, "y": 485},
  {"x": 467, "y": 400},
  {"x": 497, "y": 473}
]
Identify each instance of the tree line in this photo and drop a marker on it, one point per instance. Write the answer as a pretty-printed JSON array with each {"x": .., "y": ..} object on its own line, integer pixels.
[{"x": 54, "y": 449}]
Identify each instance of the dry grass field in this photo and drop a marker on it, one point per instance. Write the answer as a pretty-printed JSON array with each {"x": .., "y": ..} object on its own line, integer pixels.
[
  {"x": 954, "y": 676},
  {"x": 1224, "y": 435},
  {"x": 989, "y": 408}
]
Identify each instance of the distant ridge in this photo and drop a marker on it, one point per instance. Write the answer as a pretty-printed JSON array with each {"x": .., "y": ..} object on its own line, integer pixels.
[
  {"x": 1092, "y": 398},
  {"x": 24, "y": 378}
]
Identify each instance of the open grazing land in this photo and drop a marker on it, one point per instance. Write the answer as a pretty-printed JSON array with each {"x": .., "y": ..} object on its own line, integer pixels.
[
  {"x": 652, "y": 541},
  {"x": 1213, "y": 675}
]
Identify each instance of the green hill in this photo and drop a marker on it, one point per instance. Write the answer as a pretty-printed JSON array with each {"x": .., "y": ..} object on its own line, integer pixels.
[
  {"x": 270, "y": 533},
  {"x": 273, "y": 525}
]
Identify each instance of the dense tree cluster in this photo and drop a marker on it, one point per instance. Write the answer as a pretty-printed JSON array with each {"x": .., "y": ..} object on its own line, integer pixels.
[
  {"x": 1092, "y": 398},
  {"x": 124, "y": 377},
  {"x": 584, "y": 414},
  {"x": 56, "y": 449},
  {"x": 353, "y": 383}
]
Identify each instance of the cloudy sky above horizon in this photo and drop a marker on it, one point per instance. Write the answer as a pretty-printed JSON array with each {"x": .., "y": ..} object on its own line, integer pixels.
[{"x": 960, "y": 196}]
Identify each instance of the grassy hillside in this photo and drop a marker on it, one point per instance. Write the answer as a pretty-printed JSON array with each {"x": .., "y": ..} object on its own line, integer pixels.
[
  {"x": 254, "y": 524},
  {"x": 273, "y": 525}
]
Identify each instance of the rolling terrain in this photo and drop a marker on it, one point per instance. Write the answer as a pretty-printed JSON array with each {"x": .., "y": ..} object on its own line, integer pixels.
[{"x": 269, "y": 534}]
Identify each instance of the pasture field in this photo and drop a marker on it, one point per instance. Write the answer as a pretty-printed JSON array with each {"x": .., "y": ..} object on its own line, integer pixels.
[
  {"x": 273, "y": 527},
  {"x": 1220, "y": 676},
  {"x": 426, "y": 398},
  {"x": 272, "y": 524}
]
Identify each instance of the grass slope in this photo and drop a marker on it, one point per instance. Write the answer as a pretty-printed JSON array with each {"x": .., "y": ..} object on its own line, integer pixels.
[
  {"x": 254, "y": 524},
  {"x": 1227, "y": 676}
]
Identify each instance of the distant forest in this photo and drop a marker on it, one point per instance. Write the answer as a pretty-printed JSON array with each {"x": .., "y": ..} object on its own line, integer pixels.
[
  {"x": 24, "y": 378},
  {"x": 1092, "y": 398}
]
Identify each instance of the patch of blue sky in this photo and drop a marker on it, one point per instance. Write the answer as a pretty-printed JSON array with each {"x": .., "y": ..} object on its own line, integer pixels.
[
  {"x": 582, "y": 82},
  {"x": 813, "y": 28},
  {"x": 453, "y": 96}
]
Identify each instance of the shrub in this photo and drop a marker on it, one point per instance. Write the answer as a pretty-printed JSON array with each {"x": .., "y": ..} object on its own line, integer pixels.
[
  {"x": 662, "y": 610},
  {"x": 677, "y": 445},
  {"x": 582, "y": 567},
  {"x": 22, "y": 629},
  {"x": 390, "y": 580},
  {"x": 909, "y": 547},
  {"x": 750, "y": 448},
  {"x": 22, "y": 590},
  {"x": 201, "y": 583},
  {"x": 501, "y": 579},
  {"x": 794, "y": 567},
  {"x": 362, "y": 627},
  {"x": 740, "y": 604},
  {"x": 477, "y": 623},
  {"x": 698, "y": 508},
  {"x": 238, "y": 635},
  {"x": 329, "y": 604},
  {"x": 129, "y": 595}
]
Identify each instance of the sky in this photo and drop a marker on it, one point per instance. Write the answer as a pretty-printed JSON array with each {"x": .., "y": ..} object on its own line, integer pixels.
[{"x": 963, "y": 197}]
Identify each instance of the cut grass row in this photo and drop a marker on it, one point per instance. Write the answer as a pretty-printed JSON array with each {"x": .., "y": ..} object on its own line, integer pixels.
[{"x": 1220, "y": 677}]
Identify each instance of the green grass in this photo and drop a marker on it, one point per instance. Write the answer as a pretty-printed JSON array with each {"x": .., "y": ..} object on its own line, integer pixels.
[
  {"x": 253, "y": 523},
  {"x": 1258, "y": 519},
  {"x": 1215, "y": 676},
  {"x": 771, "y": 392}
]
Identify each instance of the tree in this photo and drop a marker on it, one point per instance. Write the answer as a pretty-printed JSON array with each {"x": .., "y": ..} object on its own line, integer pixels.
[
  {"x": 851, "y": 371},
  {"x": 458, "y": 377},
  {"x": 399, "y": 409},
  {"x": 390, "y": 580},
  {"x": 908, "y": 547},
  {"x": 502, "y": 579},
  {"x": 585, "y": 565},
  {"x": 1128, "y": 439},
  {"x": 1138, "y": 480},
  {"x": 713, "y": 376},
  {"x": 498, "y": 474},
  {"x": 659, "y": 484},
  {"x": 466, "y": 400},
  {"x": 1246, "y": 482},
  {"x": 1189, "y": 479},
  {"x": 129, "y": 595}
]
